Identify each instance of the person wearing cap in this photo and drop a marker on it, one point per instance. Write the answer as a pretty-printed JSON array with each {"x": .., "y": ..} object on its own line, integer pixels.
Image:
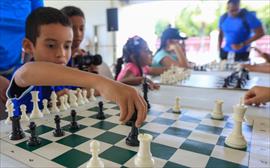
[
  {"x": 170, "y": 52},
  {"x": 240, "y": 28}
]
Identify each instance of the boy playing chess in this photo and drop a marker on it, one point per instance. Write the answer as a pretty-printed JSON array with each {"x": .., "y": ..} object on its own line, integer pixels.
[{"x": 48, "y": 39}]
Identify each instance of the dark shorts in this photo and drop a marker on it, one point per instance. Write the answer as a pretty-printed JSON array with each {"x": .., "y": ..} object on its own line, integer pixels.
[{"x": 244, "y": 56}]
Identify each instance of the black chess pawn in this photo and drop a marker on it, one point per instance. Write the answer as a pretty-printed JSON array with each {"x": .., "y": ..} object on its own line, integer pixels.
[
  {"x": 239, "y": 83},
  {"x": 58, "y": 132},
  {"x": 145, "y": 92},
  {"x": 132, "y": 139},
  {"x": 73, "y": 123},
  {"x": 100, "y": 114},
  {"x": 17, "y": 132},
  {"x": 33, "y": 140}
]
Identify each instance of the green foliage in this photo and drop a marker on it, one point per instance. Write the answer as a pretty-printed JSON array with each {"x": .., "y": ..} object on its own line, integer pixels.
[
  {"x": 160, "y": 26},
  {"x": 264, "y": 15}
]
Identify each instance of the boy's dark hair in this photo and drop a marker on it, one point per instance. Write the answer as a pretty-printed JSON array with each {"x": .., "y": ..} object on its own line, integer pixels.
[
  {"x": 235, "y": 2},
  {"x": 132, "y": 47},
  {"x": 72, "y": 11},
  {"x": 43, "y": 16}
]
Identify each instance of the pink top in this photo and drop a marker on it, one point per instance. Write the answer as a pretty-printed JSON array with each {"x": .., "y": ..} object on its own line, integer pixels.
[{"x": 133, "y": 69}]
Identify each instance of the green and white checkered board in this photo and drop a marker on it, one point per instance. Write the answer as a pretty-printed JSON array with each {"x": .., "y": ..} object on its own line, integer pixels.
[{"x": 191, "y": 139}]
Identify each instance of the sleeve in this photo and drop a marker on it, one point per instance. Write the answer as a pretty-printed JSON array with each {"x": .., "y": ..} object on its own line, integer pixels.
[
  {"x": 252, "y": 20},
  {"x": 36, "y": 4},
  {"x": 159, "y": 56},
  {"x": 132, "y": 68},
  {"x": 14, "y": 91}
]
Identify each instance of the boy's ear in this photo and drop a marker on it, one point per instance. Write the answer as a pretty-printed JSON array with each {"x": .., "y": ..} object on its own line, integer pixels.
[{"x": 28, "y": 46}]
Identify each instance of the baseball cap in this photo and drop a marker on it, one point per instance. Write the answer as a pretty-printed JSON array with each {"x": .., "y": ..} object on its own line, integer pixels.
[{"x": 172, "y": 33}]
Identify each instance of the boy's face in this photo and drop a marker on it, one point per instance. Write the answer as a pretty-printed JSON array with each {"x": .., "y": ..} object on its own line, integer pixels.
[
  {"x": 53, "y": 44},
  {"x": 78, "y": 24}
]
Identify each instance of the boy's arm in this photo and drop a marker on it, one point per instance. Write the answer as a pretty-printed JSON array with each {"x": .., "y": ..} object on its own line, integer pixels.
[{"x": 50, "y": 74}]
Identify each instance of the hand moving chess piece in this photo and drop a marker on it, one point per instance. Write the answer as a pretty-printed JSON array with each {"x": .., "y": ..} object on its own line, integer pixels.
[
  {"x": 132, "y": 139},
  {"x": 176, "y": 107},
  {"x": 95, "y": 161},
  {"x": 36, "y": 113},
  {"x": 236, "y": 138},
  {"x": 45, "y": 107},
  {"x": 33, "y": 140},
  {"x": 217, "y": 111},
  {"x": 100, "y": 114},
  {"x": 9, "y": 110},
  {"x": 24, "y": 116},
  {"x": 58, "y": 132},
  {"x": 144, "y": 157}
]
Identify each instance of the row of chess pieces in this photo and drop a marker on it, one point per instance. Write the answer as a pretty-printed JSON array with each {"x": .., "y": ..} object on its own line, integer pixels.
[
  {"x": 218, "y": 66},
  {"x": 174, "y": 75},
  {"x": 235, "y": 139},
  {"x": 74, "y": 98}
]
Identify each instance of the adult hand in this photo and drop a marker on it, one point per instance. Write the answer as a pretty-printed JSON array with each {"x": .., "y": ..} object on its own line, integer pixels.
[{"x": 257, "y": 95}]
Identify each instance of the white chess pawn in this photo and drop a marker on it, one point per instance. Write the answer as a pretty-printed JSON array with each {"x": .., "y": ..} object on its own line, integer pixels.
[
  {"x": 95, "y": 161},
  {"x": 176, "y": 107},
  {"x": 92, "y": 95},
  {"x": 73, "y": 100},
  {"x": 45, "y": 107},
  {"x": 217, "y": 111},
  {"x": 54, "y": 102},
  {"x": 62, "y": 105},
  {"x": 36, "y": 113},
  {"x": 236, "y": 138},
  {"x": 66, "y": 101},
  {"x": 80, "y": 100},
  {"x": 84, "y": 92},
  {"x": 24, "y": 116},
  {"x": 144, "y": 156},
  {"x": 9, "y": 110}
]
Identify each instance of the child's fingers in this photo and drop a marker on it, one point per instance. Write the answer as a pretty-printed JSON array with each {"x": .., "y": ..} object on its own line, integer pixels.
[
  {"x": 130, "y": 110},
  {"x": 141, "y": 107},
  {"x": 123, "y": 111}
]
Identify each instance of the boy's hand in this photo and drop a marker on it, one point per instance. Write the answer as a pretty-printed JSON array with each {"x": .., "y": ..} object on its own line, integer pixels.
[
  {"x": 257, "y": 95},
  {"x": 152, "y": 85},
  {"x": 127, "y": 98}
]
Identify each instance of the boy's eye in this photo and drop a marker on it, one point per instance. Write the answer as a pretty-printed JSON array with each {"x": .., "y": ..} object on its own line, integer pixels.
[
  {"x": 50, "y": 45},
  {"x": 67, "y": 46}
]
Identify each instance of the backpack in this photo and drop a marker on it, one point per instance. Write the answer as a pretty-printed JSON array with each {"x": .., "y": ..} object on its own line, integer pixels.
[{"x": 241, "y": 15}]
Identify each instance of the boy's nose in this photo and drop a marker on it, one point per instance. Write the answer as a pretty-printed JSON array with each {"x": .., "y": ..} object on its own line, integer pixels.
[{"x": 61, "y": 52}]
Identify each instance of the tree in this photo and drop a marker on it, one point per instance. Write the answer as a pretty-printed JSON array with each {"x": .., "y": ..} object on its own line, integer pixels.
[{"x": 160, "y": 26}]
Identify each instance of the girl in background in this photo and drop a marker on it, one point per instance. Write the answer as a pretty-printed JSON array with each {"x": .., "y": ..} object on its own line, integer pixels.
[{"x": 137, "y": 58}]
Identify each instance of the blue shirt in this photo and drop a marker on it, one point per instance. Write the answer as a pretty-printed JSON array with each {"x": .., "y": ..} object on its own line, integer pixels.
[
  {"x": 156, "y": 62},
  {"x": 235, "y": 31},
  {"x": 13, "y": 15},
  {"x": 19, "y": 95}
]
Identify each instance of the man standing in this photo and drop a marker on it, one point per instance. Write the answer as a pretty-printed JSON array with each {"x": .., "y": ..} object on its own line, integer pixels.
[
  {"x": 12, "y": 24},
  {"x": 240, "y": 28}
]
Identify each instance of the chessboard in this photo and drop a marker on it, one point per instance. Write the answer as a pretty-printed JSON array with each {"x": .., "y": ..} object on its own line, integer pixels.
[{"x": 189, "y": 139}]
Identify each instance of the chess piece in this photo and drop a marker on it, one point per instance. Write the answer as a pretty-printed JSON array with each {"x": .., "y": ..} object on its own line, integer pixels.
[
  {"x": 80, "y": 100},
  {"x": 95, "y": 161},
  {"x": 176, "y": 108},
  {"x": 73, "y": 100},
  {"x": 9, "y": 110},
  {"x": 132, "y": 139},
  {"x": 66, "y": 101},
  {"x": 100, "y": 114},
  {"x": 62, "y": 105},
  {"x": 144, "y": 156},
  {"x": 58, "y": 132},
  {"x": 33, "y": 140},
  {"x": 73, "y": 125},
  {"x": 92, "y": 95},
  {"x": 24, "y": 116},
  {"x": 84, "y": 92},
  {"x": 54, "y": 102},
  {"x": 45, "y": 107},
  {"x": 36, "y": 113},
  {"x": 17, "y": 132},
  {"x": 145, "y": 92},
  {"x": 217, "y": 111},
  {"x": 236, "y": 138}
]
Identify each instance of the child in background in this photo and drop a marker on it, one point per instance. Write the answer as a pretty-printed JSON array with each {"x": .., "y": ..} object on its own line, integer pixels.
[
  {"x": 137, "y": 57},
  {"x": 48, "y": 39}
]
